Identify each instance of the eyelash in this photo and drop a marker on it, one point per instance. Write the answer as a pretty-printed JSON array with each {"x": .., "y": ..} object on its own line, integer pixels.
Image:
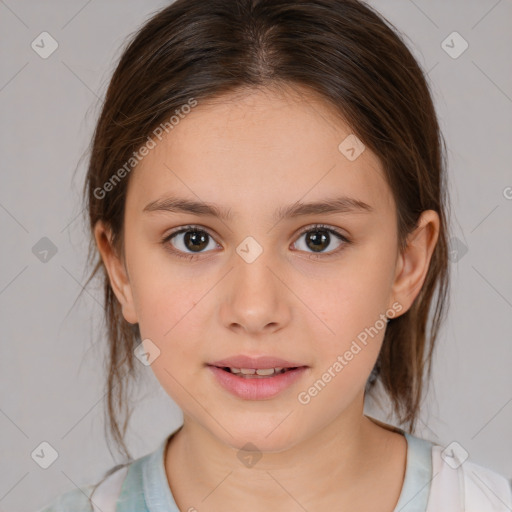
[{"x": 191, "y": 227}]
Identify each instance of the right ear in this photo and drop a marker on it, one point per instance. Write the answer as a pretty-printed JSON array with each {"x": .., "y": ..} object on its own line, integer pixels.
[{"x": 117, "y": 272}]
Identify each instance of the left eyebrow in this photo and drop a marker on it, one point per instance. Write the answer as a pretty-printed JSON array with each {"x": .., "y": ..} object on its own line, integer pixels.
[{"x": 336, "y": 205}]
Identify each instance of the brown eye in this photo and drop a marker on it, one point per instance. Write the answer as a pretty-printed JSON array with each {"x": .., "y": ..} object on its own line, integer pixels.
[
  {"x": 189, "y": 241},
  {"x": 195, "y": 240},
  {"x": 319, "y": 238}
]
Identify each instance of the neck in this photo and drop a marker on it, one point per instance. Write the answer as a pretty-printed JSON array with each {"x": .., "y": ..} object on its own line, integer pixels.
[{"x": 341, "y": 460}]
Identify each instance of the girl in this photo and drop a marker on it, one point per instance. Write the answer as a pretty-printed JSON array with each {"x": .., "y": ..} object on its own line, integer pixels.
[{"x": 267, "y": 194}]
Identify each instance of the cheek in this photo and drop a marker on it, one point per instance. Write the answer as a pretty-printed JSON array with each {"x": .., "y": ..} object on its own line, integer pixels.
[
  {"x": 345, "y": 357},
  {"x": 355, "y": 330},
  {"x": 169, "y": 312},
  {"x": 165, "y": 293},
  {"x": 172, "y": 303},
  {"x": 352, "y": 309},
  {"x": 357, "y": 293},
  {"x": 171, "y": 316}
]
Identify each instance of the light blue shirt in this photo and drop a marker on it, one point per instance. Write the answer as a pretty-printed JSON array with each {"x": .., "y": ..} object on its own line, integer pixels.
[{"x": 146, "y": 489}]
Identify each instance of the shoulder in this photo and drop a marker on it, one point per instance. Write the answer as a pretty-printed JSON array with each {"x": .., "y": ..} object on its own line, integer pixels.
[
  {"x": 482, "y": 483},
  {"x": 91, "y": 498},
  {"x": 458, "y": 483}
]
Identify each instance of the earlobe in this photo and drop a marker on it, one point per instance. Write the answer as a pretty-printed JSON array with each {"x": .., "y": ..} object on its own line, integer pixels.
[
  {"x": 116, "y": 270},
  {"x": 413, "y": 263}
]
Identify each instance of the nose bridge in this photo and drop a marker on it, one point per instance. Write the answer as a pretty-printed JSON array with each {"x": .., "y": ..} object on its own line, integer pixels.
[
  {"x": 253, "y": 272},
  {"x": 255, "y": 297}
]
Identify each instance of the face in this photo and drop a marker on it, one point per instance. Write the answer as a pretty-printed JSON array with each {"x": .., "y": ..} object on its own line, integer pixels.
[{"x": 312, "y": 287}]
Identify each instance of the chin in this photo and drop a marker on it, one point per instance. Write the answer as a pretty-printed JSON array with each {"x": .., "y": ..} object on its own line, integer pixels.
[{"x": 260, "y": 437}]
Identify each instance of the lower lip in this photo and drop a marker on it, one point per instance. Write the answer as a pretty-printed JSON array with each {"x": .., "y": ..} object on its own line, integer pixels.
[{"x": 256, "y": 388}]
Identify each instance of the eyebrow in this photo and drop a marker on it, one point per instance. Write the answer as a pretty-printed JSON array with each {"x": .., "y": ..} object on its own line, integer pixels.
[{"x": 335, "y": 205}]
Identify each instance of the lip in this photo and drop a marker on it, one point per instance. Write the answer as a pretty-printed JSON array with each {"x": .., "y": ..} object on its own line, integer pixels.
[
  {"x": 255, "y": 363},
  {"x": 256, "y": 388}
]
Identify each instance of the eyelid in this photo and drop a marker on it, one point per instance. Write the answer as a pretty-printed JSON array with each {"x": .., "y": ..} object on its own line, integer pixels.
[
  {"x": 191, "y": 227},
  {"x": 327, "y": 227},
  {"x": 331, "y": 229},
  {"x": 188, "y": 227},
  {"x": 183, "y": 229}
]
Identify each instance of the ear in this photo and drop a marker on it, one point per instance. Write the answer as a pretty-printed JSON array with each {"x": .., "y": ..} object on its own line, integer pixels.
[
  {"x": 117, "y": 272},
  {"x": 413, "y": 263}
]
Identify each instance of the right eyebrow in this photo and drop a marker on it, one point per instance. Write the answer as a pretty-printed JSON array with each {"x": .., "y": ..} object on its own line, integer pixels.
[{"x": 177, "y": 205}]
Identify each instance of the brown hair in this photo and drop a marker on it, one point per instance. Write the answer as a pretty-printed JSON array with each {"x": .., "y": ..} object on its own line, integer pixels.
[{"x": 341, "y": 50}]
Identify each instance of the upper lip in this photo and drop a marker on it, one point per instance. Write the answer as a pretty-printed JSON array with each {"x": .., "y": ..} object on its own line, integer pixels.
[{"x": 255, "y": 363}]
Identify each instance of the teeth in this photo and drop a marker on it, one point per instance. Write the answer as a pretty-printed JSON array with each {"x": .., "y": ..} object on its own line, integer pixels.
[
  {"x": 252, "y": 371},
  {"x": 267, "y": 371}
]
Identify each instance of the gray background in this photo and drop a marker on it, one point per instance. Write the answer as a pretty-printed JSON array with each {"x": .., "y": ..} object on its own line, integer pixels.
[{"x": 51, "y": 366}]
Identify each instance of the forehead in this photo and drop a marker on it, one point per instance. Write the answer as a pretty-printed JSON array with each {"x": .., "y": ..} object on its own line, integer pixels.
[{"x": 258, "y": 149}]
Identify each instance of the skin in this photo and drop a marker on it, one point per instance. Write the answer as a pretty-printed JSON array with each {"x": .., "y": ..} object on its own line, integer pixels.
[{"x": 253, "y": 154}]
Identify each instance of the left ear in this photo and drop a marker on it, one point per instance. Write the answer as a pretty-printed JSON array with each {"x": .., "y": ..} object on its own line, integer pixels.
[{"x": 413, "y": 262}]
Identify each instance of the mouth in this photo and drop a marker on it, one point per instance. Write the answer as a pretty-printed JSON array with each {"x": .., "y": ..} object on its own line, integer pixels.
[
  {"x": 257, "y": 384},
  {"x": 262, "y": 373}
]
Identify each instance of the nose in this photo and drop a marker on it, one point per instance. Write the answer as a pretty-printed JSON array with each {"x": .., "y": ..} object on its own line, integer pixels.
[{"x": 254, "y": 299}]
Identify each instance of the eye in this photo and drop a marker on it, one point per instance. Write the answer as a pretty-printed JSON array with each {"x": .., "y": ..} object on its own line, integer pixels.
[
  {"x": 318, "y": 237},
  {"x": 190, "y": 241},
  {"x": 194, "y": 239}
]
